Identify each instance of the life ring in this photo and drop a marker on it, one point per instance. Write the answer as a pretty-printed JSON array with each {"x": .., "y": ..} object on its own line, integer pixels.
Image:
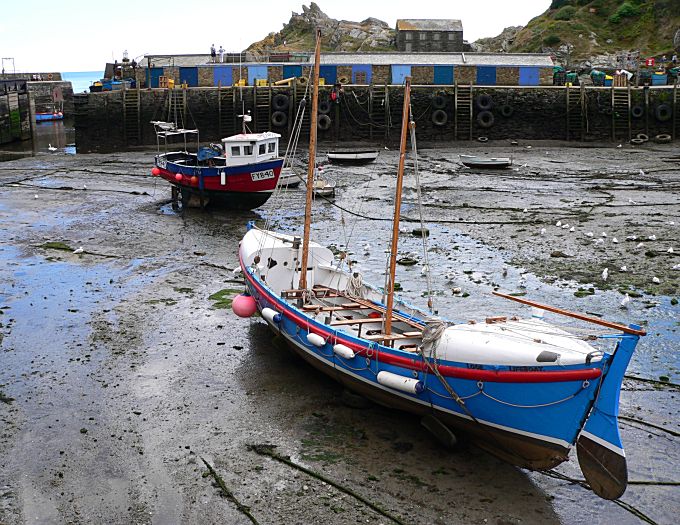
[
  {"x": 663, "y": 112},
  {"x": 507, "y": 110},
  {"x": 637, "y": 141},
  {"x": 49, "y": 76},
  {"x": 280, "y": 102},
  {"x": 343, "y": 80},
  {"x": 324, "y": 122},
  {"x": 663, "y": 138},
  {"x": 482, "y": 139},
  {"x": 637, "y": 111},
  {"x": 439, "y": 101},
  {"x": 485, "y": 119},
  {"x": 324, "y": 107},
  {"x": 439, "y": 117},
  {"x": 279, "y": 119},
  {"x": 642, "y": 137},
  {"x": 484, "y": 102}
]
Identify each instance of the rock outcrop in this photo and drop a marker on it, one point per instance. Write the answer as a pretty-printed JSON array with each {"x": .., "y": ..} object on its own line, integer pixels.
[{"x": 497, "y": 44}]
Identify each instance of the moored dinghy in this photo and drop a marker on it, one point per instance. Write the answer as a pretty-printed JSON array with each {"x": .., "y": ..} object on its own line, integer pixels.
[
  {"x": 475, "y": 161},
  {"x": 525, "y": 389},
  {"x": 353, "y": 157}
]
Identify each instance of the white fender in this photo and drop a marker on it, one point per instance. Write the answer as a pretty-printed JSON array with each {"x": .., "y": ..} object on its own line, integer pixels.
[
  {"x": 405, "y": 384},
  {"x": 271, "y": 315},
  {"x": 316, "y": 339},
  {"x": 343, "y": 351}
]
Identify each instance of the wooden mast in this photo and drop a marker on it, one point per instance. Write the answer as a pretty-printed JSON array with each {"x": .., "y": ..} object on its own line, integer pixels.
[
  {"x": 397, "y": 207},
  {"x": 312, "y": 164}
]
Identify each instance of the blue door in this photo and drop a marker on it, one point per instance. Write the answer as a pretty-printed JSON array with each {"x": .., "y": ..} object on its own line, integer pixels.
[
  {"x": 528, "y": 76},
  {"x": 152, "y": 76},
  {"x": 222, "y": 75},
  {"x": 188, "y": 75},
  {"x": 399, "y": 74},
  {"x": 292, "y": 71},
  {"x": 256, "y": 73},
  {"x": 486, "y": 75},
  {"x": 329, "y": 74},
  {"x": 361, "y": 74},
  {"x": 443, "y": 75}
]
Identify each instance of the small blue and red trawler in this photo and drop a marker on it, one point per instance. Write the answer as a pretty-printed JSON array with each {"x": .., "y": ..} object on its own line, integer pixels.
[
  {"x": 241, "y": 172},
  {"x": 48, "y": 116},
  {"x": 526, "y": 389}
]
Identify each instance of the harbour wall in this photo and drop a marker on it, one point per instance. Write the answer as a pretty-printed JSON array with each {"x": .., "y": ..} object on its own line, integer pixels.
[
  {"x": 15, "y": 111},
  {"x": 110, "y": 121}
]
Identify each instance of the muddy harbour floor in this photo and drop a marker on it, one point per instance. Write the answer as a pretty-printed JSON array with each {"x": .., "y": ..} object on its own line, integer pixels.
[{"x": 122, "y": 367}]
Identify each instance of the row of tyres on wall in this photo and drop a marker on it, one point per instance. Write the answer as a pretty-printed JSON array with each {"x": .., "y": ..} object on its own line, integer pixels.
[{"x": 223, "y": 74}]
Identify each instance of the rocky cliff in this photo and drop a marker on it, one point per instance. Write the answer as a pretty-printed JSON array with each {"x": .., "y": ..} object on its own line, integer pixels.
[{"x": 336, "y": 35}]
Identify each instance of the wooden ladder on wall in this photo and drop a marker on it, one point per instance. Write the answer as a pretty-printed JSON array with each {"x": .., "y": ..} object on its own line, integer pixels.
[
  {"x": 575, "y": 105},
  {"x": 621, "y": 125},
  {"x": 226, "y": 111},
  {"x": 263, "y": 104},
  {"x": 462, "y": 102},
  {"x": 378, "y": 111},
  {"x": 676, "y": 110},
  {"x": 298, "y": 95},
  {"x": 131, "y": 121},
  {"x": 177, "y": 103}
]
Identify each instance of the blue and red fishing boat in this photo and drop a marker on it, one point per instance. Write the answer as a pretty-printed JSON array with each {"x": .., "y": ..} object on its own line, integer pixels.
[
  {"x": 49, "y": 116},
  {"x": 241, "y": 172},
  {"x": 525, "y": 389}
]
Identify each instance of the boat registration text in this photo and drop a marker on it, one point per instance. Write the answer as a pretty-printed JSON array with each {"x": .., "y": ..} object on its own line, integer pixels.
[{"x": 262, "y": 175}]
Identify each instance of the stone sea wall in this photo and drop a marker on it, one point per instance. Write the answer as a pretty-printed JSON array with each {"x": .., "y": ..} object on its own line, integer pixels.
[{"x": 113, "y": 120}]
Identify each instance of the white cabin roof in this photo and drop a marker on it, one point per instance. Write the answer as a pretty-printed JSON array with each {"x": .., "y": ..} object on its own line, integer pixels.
[{"x": 252, "y": 137}]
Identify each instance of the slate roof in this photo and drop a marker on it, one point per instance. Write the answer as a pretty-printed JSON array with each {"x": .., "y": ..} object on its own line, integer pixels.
[
  {"x": 424, "y": 24},
  {"x": 443, "y": 59}
]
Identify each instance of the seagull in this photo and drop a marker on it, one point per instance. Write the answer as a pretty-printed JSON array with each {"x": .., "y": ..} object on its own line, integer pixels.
[
  {"x": 236, "y": 270},
  {"x": 623, "y": 269},
  {"x": 640, "y": 245},
  {"x": 652, "y": 237},
  {"x": 51, "y": 148},
  {"x": 676, "y": 267},
  {"x": 572, "y": 229},
  {"x": 615, "y": 240},
  {"x": 625, "y": 301},
  {"x": 605, "y": 274},
  {"x": 599, "y": 241},
  {"x": 642, "y": 173},
  {"x": 670, "y": 250},
  {"x": 366, "y": 247},
  {"x": 35, "y": 196},
  {"x": 84, "y": 187},
  {"x": 505, "y": 271},
  {"x": 528, "y": 147},
  {"x": 387, "y": 148},
  {"x": 672, "y": 223},
  {"x": 559, "y": 223},
  {"x": 631, "y": 238},
  {"x": 78, "y": 250},
  {"x": 425, "y": 269},
  {"x": 619, "y": 146},
  {"x": 631, "y": 201},
  {"x": 656, "y": 280},
  {"x": 589, "y": 234},
  {"x": 542, "y": 231},
  {"x": 604, "y": 234},
  {"x": 565, "y": 226},
  {"x": 456, "y": 290},
  {"x": 525, "y": 210}
]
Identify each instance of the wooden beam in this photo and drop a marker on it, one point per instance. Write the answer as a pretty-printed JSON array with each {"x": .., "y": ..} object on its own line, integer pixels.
[{"x": 575, "y": 315}]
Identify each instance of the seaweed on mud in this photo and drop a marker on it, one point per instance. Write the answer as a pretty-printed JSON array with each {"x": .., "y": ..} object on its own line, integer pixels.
[
  {"x": 56, "y": 245},
  {"x": 223, "y": 298}
]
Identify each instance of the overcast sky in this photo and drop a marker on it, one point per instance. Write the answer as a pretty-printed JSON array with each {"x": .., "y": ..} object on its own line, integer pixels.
[{"x": 70, "y": 35}]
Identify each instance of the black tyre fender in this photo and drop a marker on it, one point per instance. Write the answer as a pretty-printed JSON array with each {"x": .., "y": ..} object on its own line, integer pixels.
[
  {"x": 637, "y": 111},
  {"x": 663, "y": 112},
  {"x": 642, "y": 137},
  {"x": 324, "y": 122},
  {"x": 482, "y": 139},
  {"x": 439, "y": 117},
  {"x": 663, "y": 138},
  {"x": 439, "y": 101},
  {"x": 280, "y": 102},
  {"x": 324, "y": 107},
  {"x": 507, "y": 110},
  {"x": 485, "y": 119},
  {"x": 484, "y": 102},
  {"x": 279, "y": 119},
  {"x": 637, "y": 141}
]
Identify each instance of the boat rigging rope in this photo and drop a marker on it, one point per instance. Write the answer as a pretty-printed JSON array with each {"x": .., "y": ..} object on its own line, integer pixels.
[{"x": 423, "y": 235}]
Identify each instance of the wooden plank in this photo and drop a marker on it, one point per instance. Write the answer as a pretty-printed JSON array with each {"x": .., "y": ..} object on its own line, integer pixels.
[
  {"x": 338, "y": 308},
  {"x": 575, "y": 315},
  {"x": 363, "y": 320}
]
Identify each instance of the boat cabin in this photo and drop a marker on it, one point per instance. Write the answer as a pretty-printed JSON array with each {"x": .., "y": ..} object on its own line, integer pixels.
[{"x": 250, "y": 148}]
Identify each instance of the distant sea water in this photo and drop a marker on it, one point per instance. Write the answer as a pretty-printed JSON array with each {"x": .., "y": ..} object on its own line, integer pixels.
[{"x": 81, "y": 80}]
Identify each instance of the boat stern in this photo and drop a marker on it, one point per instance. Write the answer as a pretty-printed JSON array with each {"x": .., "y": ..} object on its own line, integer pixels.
[{"x": 599, "y": 447}]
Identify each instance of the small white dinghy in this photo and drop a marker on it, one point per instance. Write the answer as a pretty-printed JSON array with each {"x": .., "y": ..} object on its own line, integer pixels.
[
  {"x": 289, "y": 178},
  {"x": 473, "y": 161},
  {"x": 353, "y": 157},
  {"x": 324, "y": 187}
]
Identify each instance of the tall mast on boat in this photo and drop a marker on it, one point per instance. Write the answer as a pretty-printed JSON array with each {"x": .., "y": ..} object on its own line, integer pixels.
[
  {"x": 397, "y": 207},
  {"x": 312, "y": 161}
]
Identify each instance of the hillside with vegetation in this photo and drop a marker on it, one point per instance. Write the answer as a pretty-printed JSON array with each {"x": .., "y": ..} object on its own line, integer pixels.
[{"x": 588, "y": 28}]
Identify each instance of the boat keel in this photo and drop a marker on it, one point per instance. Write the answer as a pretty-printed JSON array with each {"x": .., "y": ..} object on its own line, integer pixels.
[{"x": 605, "y": 470}]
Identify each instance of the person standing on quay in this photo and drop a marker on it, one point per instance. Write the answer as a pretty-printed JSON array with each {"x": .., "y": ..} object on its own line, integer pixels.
[
  {"x": 221, "y": 51},
  {"x": 212, "y": 53}
]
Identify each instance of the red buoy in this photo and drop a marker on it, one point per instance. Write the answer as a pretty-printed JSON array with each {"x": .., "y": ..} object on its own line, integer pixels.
[
  {"x": 155, "y": 172},
  {"x": 244, "y": 305},
  {"x": 194, "y": 180},
  {"x": 178, "y": 177}
]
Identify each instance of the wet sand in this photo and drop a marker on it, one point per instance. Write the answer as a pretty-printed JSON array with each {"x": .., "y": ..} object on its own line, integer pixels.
[{"x": 123, "y": 373}]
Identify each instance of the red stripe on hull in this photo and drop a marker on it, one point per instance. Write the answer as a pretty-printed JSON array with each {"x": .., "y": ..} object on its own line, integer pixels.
[{"x": 234, "y": 182}]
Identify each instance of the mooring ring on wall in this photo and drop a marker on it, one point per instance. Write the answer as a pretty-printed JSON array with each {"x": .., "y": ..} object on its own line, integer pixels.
[
  {"x": 324, "y": 107},
  {"x": 663, "y": 138},
  {"x": 484, "y": 102},
  {"x": 439, "y": 101},
  {"x": 439, "y": 117},
  {"x": 637, "y": 111},
  {"x": 663, "y": 112},
  {"x": 507, "y": 110},
  {"x": 485, "y": 119},
  {"x": 343, "y": 80},
  {"x": 279, "y": 119},
  {"x": 280, "y": 102},
  {"x": 324, "y": 122}
]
